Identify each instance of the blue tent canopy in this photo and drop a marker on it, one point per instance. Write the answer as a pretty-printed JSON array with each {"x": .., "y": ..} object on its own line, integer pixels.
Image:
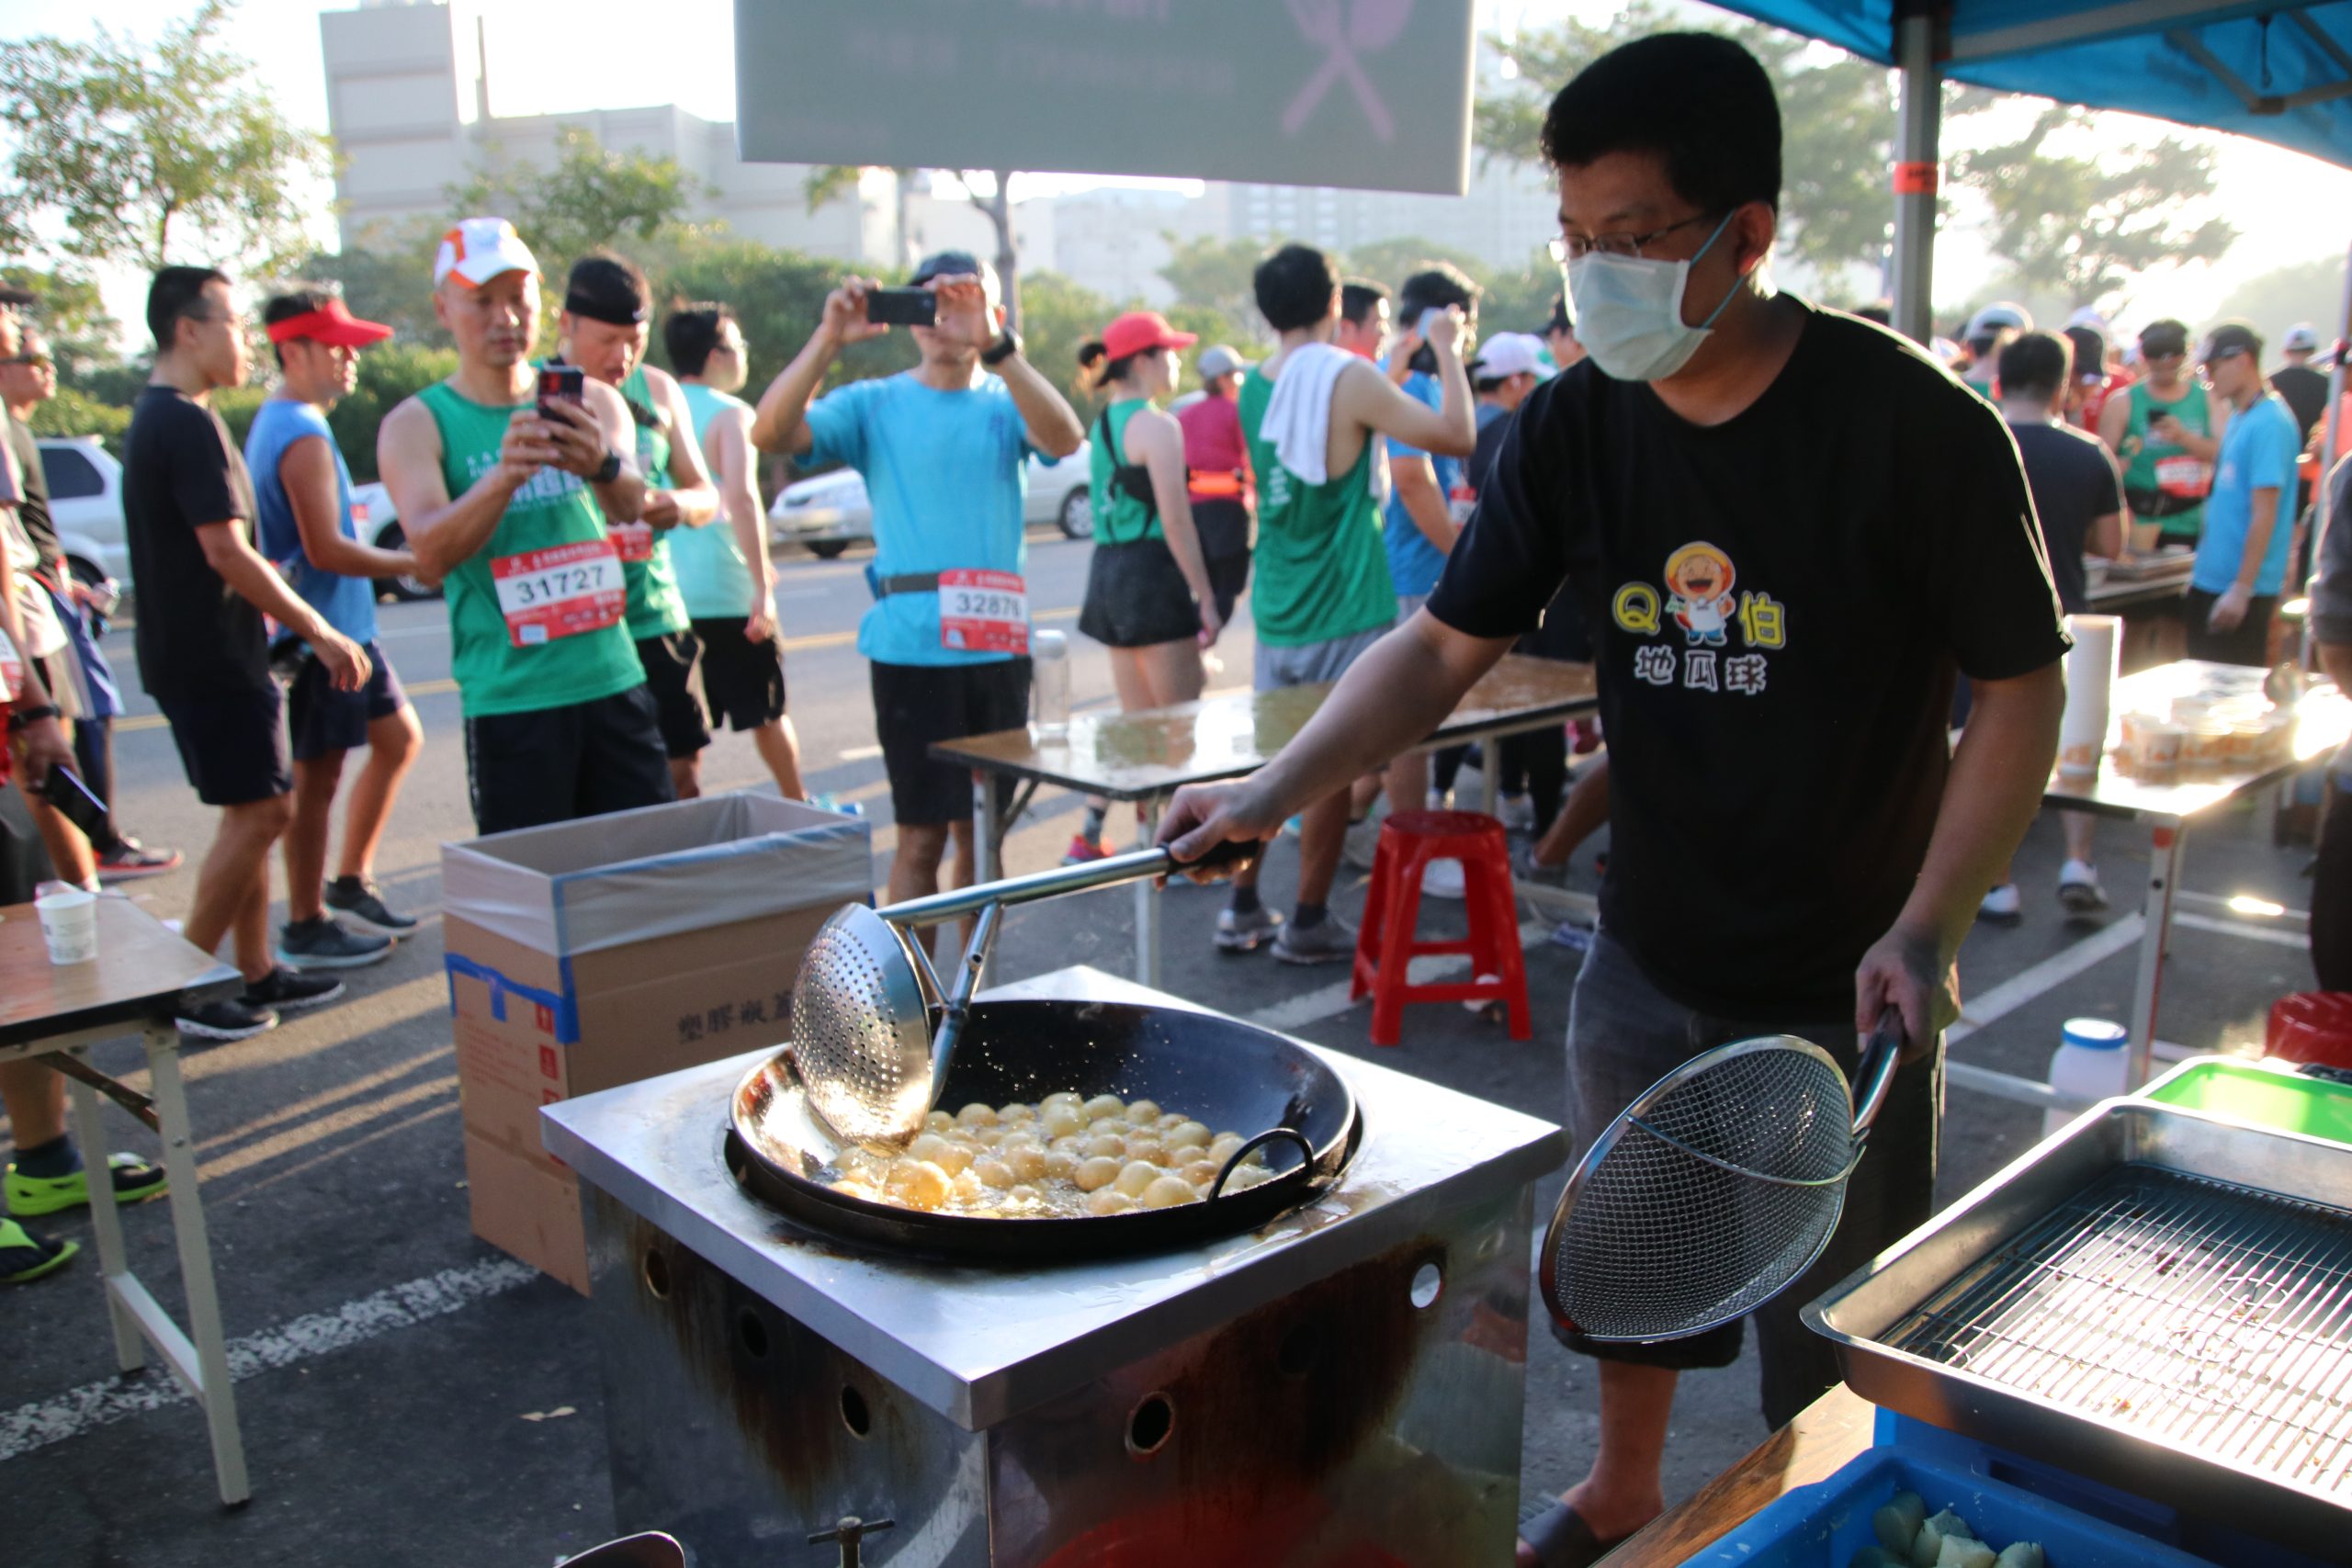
[{"x": 2276, "y": 73}]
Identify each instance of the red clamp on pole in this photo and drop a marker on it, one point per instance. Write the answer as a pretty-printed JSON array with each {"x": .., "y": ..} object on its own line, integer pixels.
[{"x": 1916, "y": 179}]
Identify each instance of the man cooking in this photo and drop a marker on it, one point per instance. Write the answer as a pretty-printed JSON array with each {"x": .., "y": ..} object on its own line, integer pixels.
[{"x": 1793, "y": 846}]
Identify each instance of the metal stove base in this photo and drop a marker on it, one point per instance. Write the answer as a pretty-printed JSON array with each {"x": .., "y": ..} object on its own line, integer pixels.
[{"x": 1360, "y": 1422}]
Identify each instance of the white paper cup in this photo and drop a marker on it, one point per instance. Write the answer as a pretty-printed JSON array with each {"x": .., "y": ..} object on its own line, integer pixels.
[{"x": 70, "y": 922}]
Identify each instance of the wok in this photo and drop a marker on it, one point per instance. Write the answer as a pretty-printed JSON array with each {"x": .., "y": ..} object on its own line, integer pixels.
[{"x": 1228, "y": 1075}]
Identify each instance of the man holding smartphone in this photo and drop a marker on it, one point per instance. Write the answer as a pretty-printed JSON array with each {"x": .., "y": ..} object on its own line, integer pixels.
[
  {"x": 507, "y": 498},
  {"x": 203, "y": 655},
  {"x": 606, "y": 325},
  {"x": 941, "y": 446},
  {"x": 304, "y": 492}
]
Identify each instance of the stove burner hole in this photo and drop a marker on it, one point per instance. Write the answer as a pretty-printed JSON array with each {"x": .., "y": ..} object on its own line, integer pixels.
[
  {"x": 1148, "y": 1428},
  {"x": 753, "y": 1333},
  {"x": 1429, "y": 1283},
  {"x": 854, "y": 1416},
  {"x": 657, "y": 1274}
]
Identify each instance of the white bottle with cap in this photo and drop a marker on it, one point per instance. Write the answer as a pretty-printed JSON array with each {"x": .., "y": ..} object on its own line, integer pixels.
[
  {"x": 1049, "y": 682},
  {"x": 2090, "y": 1061}
]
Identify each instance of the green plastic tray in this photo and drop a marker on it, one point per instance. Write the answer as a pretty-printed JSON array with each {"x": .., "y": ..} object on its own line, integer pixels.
[{"x": 2260, "y": 1093}]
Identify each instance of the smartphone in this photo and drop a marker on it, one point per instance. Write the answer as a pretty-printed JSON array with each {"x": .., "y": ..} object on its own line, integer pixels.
[
  {"x": 902, "y": 307},
  {"x": 1424, "y": 358},
  {"x": 563, "y": 384},
  {"x": 75, "y": 802}
]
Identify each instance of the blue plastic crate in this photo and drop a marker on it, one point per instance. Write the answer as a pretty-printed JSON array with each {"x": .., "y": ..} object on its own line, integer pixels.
[{"x": 2004, "y": 1498}]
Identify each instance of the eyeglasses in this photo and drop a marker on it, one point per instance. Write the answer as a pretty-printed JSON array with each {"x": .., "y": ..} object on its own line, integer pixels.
[
  {"x": 2170, "y": 351},
  {"x": 1568, "y": 246}
]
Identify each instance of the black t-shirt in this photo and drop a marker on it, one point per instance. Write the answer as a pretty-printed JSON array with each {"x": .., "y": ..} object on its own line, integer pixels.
[
  {"x": 1779, "y": 605},
  {"x": 2075, "y": 484},
  {"x": 196, "y": 637},
  {"x": 2305, "y": 393},
  {"x": 32, "y": 511}
]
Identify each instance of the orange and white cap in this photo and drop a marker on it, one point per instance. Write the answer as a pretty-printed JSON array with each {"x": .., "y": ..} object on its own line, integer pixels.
[{"x": 478, "y": 249}]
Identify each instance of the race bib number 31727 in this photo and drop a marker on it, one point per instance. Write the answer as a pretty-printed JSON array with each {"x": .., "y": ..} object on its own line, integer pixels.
[
  {"x": 983, "y": 611},
  {"x": 560, "y": 591}
]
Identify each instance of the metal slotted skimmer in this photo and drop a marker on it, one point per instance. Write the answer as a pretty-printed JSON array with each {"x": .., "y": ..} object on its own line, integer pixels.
[
  {"x": 1713, "y": 1192},
  {"x": 2179, "y": 1306}
]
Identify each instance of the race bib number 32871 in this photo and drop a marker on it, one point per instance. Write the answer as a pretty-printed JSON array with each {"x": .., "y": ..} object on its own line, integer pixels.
[
  {"x": 983, "y": 611},
  {"x": 560, "y": 591}
]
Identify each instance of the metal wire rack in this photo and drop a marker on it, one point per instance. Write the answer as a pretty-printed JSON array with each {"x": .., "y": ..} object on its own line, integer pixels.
[{"x": 2211, "y": 1315}]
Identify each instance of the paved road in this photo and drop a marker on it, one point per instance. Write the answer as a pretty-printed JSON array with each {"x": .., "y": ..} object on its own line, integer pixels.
[{"x": 411, "y": 1399}]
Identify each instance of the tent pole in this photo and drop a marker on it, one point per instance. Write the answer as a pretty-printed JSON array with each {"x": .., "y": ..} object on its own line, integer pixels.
[{"x": 1918, "y": 161}]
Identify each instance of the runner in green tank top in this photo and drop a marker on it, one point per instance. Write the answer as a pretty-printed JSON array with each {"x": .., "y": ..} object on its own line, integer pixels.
[
  {"x": 507, "y": 501},
  {"x": 1322, "y": 571},
  {"x": 606, "y": 328},
  {"x": 2166, "y": 431}
]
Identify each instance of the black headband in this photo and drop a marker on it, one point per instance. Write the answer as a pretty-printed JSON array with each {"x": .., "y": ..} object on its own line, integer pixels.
[{"x": 578, "y": 304}]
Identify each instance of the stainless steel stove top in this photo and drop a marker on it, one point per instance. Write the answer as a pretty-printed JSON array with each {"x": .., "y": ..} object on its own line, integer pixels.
[{"x": 982, "y": 1344}]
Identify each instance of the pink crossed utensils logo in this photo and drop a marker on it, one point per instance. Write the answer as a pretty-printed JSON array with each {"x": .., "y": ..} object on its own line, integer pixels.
[{"x": 1344, "y": 30}]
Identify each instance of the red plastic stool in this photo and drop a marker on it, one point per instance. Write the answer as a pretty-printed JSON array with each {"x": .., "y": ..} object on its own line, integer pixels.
[
  {"x": 2311, "y": 1026},
  {"x": 1409, "y": 840}
]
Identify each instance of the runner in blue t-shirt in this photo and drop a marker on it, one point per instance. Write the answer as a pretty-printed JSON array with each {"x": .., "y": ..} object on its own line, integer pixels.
[
  {"x": 2241, "y": 556},
  {"x": 302, "y": 490},
  {"x": 941, "y": 447}
]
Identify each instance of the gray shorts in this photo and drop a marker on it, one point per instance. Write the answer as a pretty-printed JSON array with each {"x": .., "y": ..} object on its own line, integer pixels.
[
  {"x": 1623, "y": 1035},
  {"x": 1312, "y": 662}
]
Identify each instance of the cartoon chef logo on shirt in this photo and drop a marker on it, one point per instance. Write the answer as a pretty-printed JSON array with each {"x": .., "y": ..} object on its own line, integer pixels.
[
  {"x": 1699, "y": 579},
  {"x": 1701, "y": 597}
]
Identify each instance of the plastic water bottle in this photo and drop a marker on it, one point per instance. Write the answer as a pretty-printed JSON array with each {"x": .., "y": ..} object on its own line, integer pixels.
[
  {"x": 831, "y": 802},
  {"x": 2092, "y": 1061},
  {"x": 1049, "y": 682}
]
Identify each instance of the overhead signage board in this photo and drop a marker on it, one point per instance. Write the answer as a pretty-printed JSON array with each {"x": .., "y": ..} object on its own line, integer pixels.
[{"x": 1369, "y": 93}]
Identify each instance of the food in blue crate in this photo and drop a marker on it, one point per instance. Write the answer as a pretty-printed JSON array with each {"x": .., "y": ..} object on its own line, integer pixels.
[
  {"x": 1959, "y": 1552},
  {"x": 1927, "y": 1548},
  {"x": 2020, "y": 1555},
  {"x": 1898, "y": 1523}
]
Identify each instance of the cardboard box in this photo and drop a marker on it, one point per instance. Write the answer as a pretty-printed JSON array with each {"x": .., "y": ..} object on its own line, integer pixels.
[{"x": 601, "y": 952}]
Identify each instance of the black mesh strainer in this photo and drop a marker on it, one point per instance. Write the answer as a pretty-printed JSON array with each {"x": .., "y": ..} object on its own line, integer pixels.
[{"x": 1711, "y": 1194}]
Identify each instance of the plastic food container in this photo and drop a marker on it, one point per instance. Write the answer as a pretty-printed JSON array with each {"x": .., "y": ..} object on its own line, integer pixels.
[{"x": 2261, "y": 1092}]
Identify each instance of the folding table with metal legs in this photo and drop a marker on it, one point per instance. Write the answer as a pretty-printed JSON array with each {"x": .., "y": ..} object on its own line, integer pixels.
[{"x": 55, "y": 1014}]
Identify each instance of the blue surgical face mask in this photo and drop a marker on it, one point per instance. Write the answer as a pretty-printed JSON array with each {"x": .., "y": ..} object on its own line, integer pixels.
[{"x": 1629, "y": 311}]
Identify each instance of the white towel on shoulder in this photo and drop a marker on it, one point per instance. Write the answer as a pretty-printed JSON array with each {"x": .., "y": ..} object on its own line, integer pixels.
[{"x": 1298, "y": 415}]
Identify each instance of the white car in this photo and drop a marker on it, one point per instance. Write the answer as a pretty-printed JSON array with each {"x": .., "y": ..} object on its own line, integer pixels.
[
  {"x": 830, "y": 513},
  {"x": 375, "y": 520},
  {"x": 86, "y": 502}
]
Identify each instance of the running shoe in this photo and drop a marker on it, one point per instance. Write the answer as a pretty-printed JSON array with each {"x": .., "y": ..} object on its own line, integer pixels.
[
  {"x": 1362, "y": 841},
  {"x": 321, "y": 942},
  {"x": 282, "y": 988},
  {"x": 2001, "y": 905},
  {"x": 1443, "y": 879},
  {"x": 135, "y": 1181},
  {"x": 1330, "y": 940},
  {"x": 128, "y": 860},
  {"x": 1527, "y": 868},
  {"x": 230, "y": 1018},
  {"x": 1245, "y": 933},
  {"x": 2078, "y": 888},
  {"x": 1518, "y": 813},
  {"x": 26, "y": 1256},
  {"x": 1083, "y": 851},
  {"x": 356, "y": 900}
]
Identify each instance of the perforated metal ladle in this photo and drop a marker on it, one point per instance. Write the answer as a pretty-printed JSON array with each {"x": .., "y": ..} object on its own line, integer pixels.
[{"x": 873, "y": 1030}]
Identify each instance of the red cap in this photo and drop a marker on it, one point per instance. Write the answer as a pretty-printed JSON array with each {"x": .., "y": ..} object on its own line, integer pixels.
[
  {"x": 331, "y": 324},
  {"x": 1140, "y": 330}
]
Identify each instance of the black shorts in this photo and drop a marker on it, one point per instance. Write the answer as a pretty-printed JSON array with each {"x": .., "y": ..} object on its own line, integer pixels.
[
  {"x": 1224, "y": 528},
  {"x": 1136, "y": 597},
  {"x": 915, "y": 705},
  {"x": 24, "y": 860},
  {"x": 232, "y": 745},
  {"x": 669, "y": 660},
  {"x": 742, "y": 681},
  {"x": 2249, "y": 642},
  {"x": 324, "y": 720},
  {"x": 525, "y": 769}
]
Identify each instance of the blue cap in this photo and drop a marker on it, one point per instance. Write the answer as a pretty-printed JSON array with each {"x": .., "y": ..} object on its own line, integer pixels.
[{"x": 2095, "y": 1034}]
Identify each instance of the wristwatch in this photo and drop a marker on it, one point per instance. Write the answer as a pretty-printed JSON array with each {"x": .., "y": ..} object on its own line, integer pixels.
[
  {"x": 25, "y": 718},
  {"x": 1002, "y": 349},
  {"x": 609, "y": 470}
]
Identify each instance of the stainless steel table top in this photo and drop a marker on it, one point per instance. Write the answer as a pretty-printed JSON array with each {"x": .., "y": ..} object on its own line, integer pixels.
[
  {"x": 981, "y": 1344},
  {"x": 2323, "y": 722}
]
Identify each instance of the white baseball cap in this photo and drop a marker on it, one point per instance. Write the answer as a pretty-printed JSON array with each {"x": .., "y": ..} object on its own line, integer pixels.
[
  {"x": 2086, "y": 316},
  {"x": 2301, "y": 338},
  {"x": 478, "y": 249},
  {"x": 1510, "y": 354},
  {"x": 1998, "y": 317},
  {"x": 1219, "y": 359}
]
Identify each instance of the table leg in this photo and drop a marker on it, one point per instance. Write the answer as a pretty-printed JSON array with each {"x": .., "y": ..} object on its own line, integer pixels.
[
  {"x": 129, "y": 1350},
  {"x": 1490, "y": 775},
  {"x": 2155, "y": 916},
  {"x": 218, "y": 1396},
  {"x": 1147, "y": 896},
  {"x": 988, "y": 856}
]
